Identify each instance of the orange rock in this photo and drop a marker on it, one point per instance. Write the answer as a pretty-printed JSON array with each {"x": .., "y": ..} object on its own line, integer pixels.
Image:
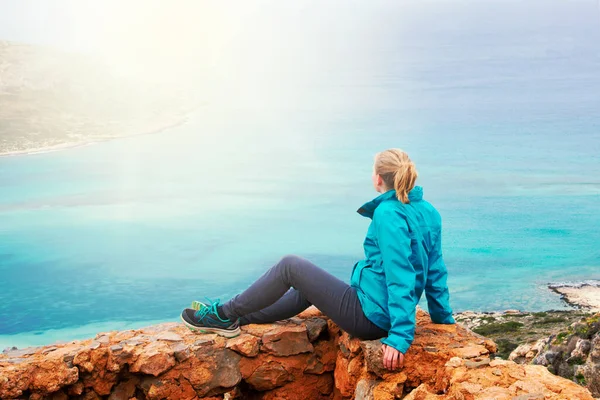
[
  {"x": 297, "y": 360},
  {"x": 154, "y": 359},
  {"x": 310, "y": 312},
  {"x": 323, "y": 359},
  {"x": 391, "y": 388},
  {"x": 75, "y": 389},
  {"x": 50, "y": 375},
  {"x": 344, "y": 381},
  {"x": 349, "y": 345},
  {"x": 124, "y": 390},
  {"x": 305, "y": 388},
  {"x": 286, "y": 340},
  {"x": 268, "y": 376},
  {"x": 245, "y": 344},
  {"x": 208, "y": 371}
]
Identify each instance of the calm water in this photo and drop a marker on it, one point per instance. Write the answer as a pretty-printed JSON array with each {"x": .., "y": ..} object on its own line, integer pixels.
[{"x": 498, "y": 106}]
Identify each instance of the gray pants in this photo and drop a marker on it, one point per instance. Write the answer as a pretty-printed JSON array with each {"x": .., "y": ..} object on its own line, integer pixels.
[{"x": 293, "y": 285}]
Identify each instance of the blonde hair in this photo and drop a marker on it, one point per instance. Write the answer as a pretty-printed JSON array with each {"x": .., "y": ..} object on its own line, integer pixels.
[{"x": 397, "y": 171}]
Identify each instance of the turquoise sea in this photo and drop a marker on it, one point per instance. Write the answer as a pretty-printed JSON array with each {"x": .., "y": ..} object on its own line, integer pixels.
[{"x": 498, "y": 103}]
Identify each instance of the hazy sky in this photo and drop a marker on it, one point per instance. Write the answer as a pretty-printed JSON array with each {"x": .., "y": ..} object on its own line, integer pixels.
[
  {"x": 262, "y": 43},
  {"x": 103, "y": 26}
]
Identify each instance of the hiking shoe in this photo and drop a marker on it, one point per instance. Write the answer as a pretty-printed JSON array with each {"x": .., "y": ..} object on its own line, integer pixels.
[{"x": 206, "y": 319}]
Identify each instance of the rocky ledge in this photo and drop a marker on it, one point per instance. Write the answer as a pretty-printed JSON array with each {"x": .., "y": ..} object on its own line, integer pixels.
[
  {"x": 573, "y": 353},
  {"x": 511, "y": 328},
  {"x": 307, "y": 357}
]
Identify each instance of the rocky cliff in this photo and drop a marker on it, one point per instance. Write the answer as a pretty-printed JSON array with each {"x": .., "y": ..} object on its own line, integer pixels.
[
  {"x": 307, "y": 357},
  {"x": 573, "y": 353}
]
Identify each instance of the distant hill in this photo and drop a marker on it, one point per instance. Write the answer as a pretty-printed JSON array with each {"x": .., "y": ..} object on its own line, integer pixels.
[{"x": 50, "y": 98}]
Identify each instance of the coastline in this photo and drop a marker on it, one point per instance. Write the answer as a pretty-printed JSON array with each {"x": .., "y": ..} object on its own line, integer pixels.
[
  {"x": 179, "y": 120},
  {"x": 584, "y": 295}
]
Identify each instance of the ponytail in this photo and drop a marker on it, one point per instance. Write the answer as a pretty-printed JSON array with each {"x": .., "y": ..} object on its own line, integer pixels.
[
  {"x": 404, "y": 181},
  {"x": 397, "y": 171}
]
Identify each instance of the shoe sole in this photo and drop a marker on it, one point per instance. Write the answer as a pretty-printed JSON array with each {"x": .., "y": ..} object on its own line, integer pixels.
[{"x": 221, "y": 332}]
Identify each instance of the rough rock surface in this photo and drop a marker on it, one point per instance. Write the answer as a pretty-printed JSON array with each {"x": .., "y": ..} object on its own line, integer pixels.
[
  {"x": 307, "y": 357},
  {"x": 511, "y": 328},
  {"x": 573, "y": 353}
]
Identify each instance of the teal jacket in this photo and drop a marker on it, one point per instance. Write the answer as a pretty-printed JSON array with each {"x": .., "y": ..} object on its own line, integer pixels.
[{"x": 403, "y": 253}]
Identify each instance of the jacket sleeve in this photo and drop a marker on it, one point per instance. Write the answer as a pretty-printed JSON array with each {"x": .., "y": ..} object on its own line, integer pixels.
[
  {"x": 395, "y": 247},
  {"x": 436, "y": 287}
]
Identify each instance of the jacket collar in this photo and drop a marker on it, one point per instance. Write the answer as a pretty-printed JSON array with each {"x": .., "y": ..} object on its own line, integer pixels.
[{"x": 368, "y": 208}]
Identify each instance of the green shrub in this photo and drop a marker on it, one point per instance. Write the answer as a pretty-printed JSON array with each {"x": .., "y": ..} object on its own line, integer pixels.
[
  {"x": 560, "y": 338},
  {"x": 551, "y": 320},
  {"x": 490, "y": 329},
  {"x": 576, "y": 361},
  {"x": 505, "y": 347}
]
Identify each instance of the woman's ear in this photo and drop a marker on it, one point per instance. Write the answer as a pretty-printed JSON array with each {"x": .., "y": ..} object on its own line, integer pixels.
[{"x": 379, "y": 183}]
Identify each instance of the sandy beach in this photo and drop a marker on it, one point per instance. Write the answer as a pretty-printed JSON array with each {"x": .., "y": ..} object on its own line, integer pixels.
[
  {"x": 584, "y": 295},
  {"x": 176, "y": 121}
]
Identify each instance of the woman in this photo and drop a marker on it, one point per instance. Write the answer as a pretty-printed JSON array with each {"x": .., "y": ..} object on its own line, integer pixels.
[{"x": 403, "y": 257}]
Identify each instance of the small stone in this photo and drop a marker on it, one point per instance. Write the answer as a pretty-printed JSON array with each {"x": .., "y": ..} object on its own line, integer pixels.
[
  {"x": 311, "y": 311},
  {"x": 136, "y": 341},
  {"x": 455, "y": 362},
  {"x": 529, "y": 355},
  {"x": 205, "y": 341},
  {"x": 471, "y": 351},
  {"x": 115, "y": 348},
  {"x": 94, "y": 345},
  {"x": 477, "y": 363},
  {"x": 314, "y": 327},
  {"x": 181, "y": 352},
  {"x": 236, "y": 393},
  {"x": 104, "y": 339},
  {"x": 68, "y": 358},
  {"x": 245, "y": 344},
  {"x": 512, "y": 312},
  {"x": 169, "y": 336},
  {"x": 497, "y": 372}
]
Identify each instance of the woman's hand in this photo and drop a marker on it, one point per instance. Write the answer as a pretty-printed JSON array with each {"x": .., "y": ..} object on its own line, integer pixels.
[{"x": 392, "y": 358}]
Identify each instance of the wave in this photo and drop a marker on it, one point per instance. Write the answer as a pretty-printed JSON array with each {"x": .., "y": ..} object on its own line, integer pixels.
[{"x": 576, "y": 285}]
